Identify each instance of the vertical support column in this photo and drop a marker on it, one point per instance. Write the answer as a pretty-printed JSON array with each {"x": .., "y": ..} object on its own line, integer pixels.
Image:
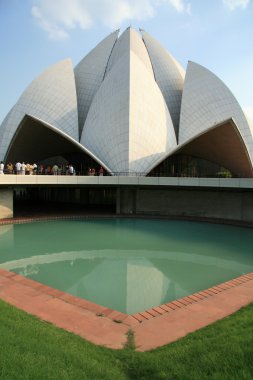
[
  {"x": 136, "y": 200},
  {"x": 118, "y": 209},
  {"x": 6, "y": 203}
]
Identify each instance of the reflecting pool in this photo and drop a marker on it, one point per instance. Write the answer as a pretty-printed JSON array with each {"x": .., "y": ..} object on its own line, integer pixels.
[{"x": 127, "y": 264}]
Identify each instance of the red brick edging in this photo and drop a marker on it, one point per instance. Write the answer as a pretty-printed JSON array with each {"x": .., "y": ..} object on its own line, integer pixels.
[
  {"x": 117, "y": 316},
  {"x": 191, "y": 299}
]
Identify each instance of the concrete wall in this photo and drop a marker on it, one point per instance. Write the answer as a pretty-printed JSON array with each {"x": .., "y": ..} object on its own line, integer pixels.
[
  {"x": 126, "y": 198},
  {"x": 218, "y": 204},
  {"x": 6, "y": 203}
]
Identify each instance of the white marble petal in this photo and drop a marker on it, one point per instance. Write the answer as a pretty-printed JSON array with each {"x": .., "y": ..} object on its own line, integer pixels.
[
  {"x": 169, "y": 76},
  {"x": 128, "y": 125},
  {"x": 89, "y": 74},
  {"x": 106, "y": 132},
  {"x": 129, "y": 40},
  {"x": 207, "y": 101},
  {"x": 50, "y": 97},
  {"x": 151, "y": 131}
]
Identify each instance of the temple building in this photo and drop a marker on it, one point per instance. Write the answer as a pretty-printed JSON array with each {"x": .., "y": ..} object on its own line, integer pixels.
[{"x": 131, "y": 108}]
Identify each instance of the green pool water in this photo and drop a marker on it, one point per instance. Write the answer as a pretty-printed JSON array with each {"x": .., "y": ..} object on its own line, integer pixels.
[{"x": 129, "y": 265}]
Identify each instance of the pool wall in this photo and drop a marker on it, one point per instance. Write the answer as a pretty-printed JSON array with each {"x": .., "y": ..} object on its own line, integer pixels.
[{"x": 218, "y": 204}]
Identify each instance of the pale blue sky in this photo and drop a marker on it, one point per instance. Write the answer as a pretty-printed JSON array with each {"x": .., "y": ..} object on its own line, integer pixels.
[{"x": 35, "y": 34}]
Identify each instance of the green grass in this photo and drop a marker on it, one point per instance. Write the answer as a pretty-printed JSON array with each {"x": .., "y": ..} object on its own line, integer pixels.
[{"x": 32, "y": 349}]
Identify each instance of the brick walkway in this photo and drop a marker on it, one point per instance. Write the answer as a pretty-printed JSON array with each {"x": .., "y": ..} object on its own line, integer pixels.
[{"x": 153, "y": 328}]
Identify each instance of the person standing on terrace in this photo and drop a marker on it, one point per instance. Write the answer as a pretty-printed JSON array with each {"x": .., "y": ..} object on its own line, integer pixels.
[
  {"x": 1, "y": 168},
  {"x": 18, "y": 167}
]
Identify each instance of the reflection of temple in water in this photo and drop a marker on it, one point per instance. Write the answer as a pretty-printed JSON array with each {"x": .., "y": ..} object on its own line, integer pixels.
[
  {"x": 6, "y": 235},
  {"x": 129, "y": 285},
  {"x": 128, "y": 281}
]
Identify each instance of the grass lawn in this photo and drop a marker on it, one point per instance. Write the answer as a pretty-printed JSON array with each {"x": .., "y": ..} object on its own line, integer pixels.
[{"x": 32, "y": 349}]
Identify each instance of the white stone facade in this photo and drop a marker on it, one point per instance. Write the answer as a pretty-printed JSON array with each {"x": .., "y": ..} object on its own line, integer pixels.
[
  {"x": 168, "y": 74},
  {"x": 89, "y": 74},
  {"x": 50, "y": 97},
  {"x": 128, "y": 104},
  {"x": 206, "y": 102}
]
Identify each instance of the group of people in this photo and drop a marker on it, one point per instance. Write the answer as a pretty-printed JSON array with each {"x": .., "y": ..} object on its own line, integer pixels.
[
  {"x": 27, "y": 168},
  {"x": 60, "y": 169},
  {"x": 92, "y": 171},
  {"x": 18, "y": 168}
]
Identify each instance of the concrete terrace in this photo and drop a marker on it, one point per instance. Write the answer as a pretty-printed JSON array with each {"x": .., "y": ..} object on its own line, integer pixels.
[
  {"x": 200, "y": 198},
  {"x": 236, "y": 183}
]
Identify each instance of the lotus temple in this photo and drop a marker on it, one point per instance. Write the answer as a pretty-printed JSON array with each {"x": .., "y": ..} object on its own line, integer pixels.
[{"x": 130, "y": 107}]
